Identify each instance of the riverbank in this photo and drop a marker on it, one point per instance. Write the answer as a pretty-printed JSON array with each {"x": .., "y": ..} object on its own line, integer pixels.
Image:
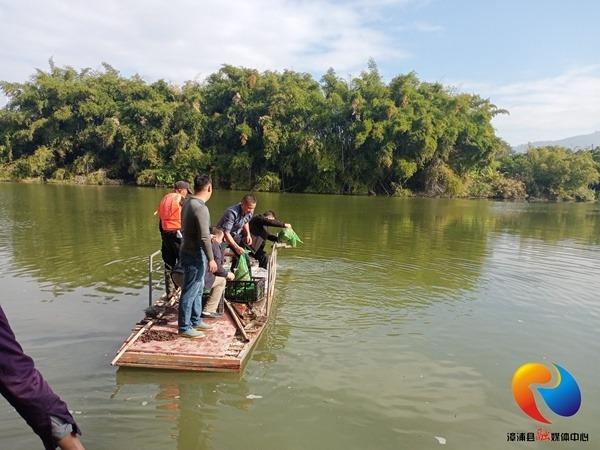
[
  {"x": 100, "y": 179},
  {"x": 97, "y": 178},
  {"x": 331, "y": 136}
]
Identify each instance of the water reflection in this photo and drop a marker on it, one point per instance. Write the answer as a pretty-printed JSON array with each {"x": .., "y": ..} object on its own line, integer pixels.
[
  {"x": 191, "y": 401},
  {"x": 92, "y": 236},
  {"x": 68, "y": 235},
  {"x": 398, "y": 320},
  {"x": 550, "y": 223},
  {"x": 191, "y": 408}
]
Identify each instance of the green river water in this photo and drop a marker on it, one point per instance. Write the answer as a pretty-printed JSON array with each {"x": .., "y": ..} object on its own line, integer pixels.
[{"x": 398, "y": 321}]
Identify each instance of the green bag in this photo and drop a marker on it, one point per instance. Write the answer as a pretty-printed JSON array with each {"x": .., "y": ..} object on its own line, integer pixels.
[
  {"x": 242, "y": 271},
  {"x": 289, "y": 236},
  {"x": 242, "y": 288}
]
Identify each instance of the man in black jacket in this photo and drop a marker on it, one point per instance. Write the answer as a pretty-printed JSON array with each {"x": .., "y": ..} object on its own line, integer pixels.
[
  {"x": 216, "y": 281},
  {"x": 260, "y": 234}
]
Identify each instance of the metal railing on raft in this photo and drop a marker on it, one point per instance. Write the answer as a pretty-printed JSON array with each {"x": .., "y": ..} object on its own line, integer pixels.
[{"x": 150, "y": 270}]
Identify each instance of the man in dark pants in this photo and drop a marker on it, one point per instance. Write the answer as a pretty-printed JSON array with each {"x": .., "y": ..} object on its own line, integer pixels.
[
  {"x": 27, "y": 391},
  {"x": 260, "y": 234},
  {"x": 196, "y": 252},
  {"x": 169, "y": 212}
]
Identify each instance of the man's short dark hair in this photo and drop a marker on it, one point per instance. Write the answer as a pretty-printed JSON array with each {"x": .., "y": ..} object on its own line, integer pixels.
[
  {"x": 249, "y": 199},
  {"x": 201, "y": 182},
  {"x": 270, "y": 212}
]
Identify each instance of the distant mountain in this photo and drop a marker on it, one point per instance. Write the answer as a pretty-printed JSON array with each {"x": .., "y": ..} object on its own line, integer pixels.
[{"x": 574, "y": 142}]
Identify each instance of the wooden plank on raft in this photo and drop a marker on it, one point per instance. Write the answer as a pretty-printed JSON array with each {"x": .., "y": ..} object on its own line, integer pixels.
[
  {"x": 206, "y": 354},
  {"x": 133, "y": 337},
  {"x": 237, "y": 321},
  {"x": 179, "y": 362}
]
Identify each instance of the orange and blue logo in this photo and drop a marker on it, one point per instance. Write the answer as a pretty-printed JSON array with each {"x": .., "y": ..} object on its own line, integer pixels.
[{"x": 563, "y": 398}]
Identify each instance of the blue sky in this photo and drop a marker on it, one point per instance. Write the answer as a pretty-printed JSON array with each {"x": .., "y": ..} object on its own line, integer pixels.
[
  {"x": 499, "y": 41},
  {"x": 538, "y": 59}
]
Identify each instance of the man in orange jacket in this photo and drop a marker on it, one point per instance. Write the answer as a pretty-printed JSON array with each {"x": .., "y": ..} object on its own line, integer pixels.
[{"x": 169, "y": 212}]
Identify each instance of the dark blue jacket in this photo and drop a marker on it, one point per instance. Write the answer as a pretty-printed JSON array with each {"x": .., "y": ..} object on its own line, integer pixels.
[
  {"x": 209, "y": 278},
  {"x": 233, "y": 220}
]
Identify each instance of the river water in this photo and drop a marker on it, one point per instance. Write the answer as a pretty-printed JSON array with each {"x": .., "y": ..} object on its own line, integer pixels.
[{"x": 397, "y": 325}]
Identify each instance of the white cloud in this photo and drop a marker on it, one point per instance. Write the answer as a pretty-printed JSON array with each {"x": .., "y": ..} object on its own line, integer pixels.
[
  {"x": 186, "y": 39},
  {"x": 189, "y": 39},
  {"x": 548, "y": 108}
]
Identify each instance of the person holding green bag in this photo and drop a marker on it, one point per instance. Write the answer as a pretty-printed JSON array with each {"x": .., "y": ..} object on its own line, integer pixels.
[
  {"x": 234, "y": 224},
  {"x": 260, "y": 234}
]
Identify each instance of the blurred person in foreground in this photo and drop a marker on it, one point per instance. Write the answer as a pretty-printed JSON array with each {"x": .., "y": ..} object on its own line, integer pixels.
[{"x": 26, "y": 390}]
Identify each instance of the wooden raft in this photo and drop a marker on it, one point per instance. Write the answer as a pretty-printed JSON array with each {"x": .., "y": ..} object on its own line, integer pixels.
[{"x": 154, "y": 342}]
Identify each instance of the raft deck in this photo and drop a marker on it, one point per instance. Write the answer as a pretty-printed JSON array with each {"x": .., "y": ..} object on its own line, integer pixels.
[{"x": 154, "y": 341}]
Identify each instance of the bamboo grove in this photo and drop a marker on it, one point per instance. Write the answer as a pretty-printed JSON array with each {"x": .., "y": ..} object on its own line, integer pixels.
[{"x": 275, "y": 131}]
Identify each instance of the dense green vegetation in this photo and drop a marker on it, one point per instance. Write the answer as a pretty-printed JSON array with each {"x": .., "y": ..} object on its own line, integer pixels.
[
  {"x": 555, "y": 173},
  {"x": 275, "y": 131}
]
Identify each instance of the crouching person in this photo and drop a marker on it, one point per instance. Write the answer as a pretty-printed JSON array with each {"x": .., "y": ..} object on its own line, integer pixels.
[
  {"x": 260, "y": 234},
  {"x": 216, "y": 281}
]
